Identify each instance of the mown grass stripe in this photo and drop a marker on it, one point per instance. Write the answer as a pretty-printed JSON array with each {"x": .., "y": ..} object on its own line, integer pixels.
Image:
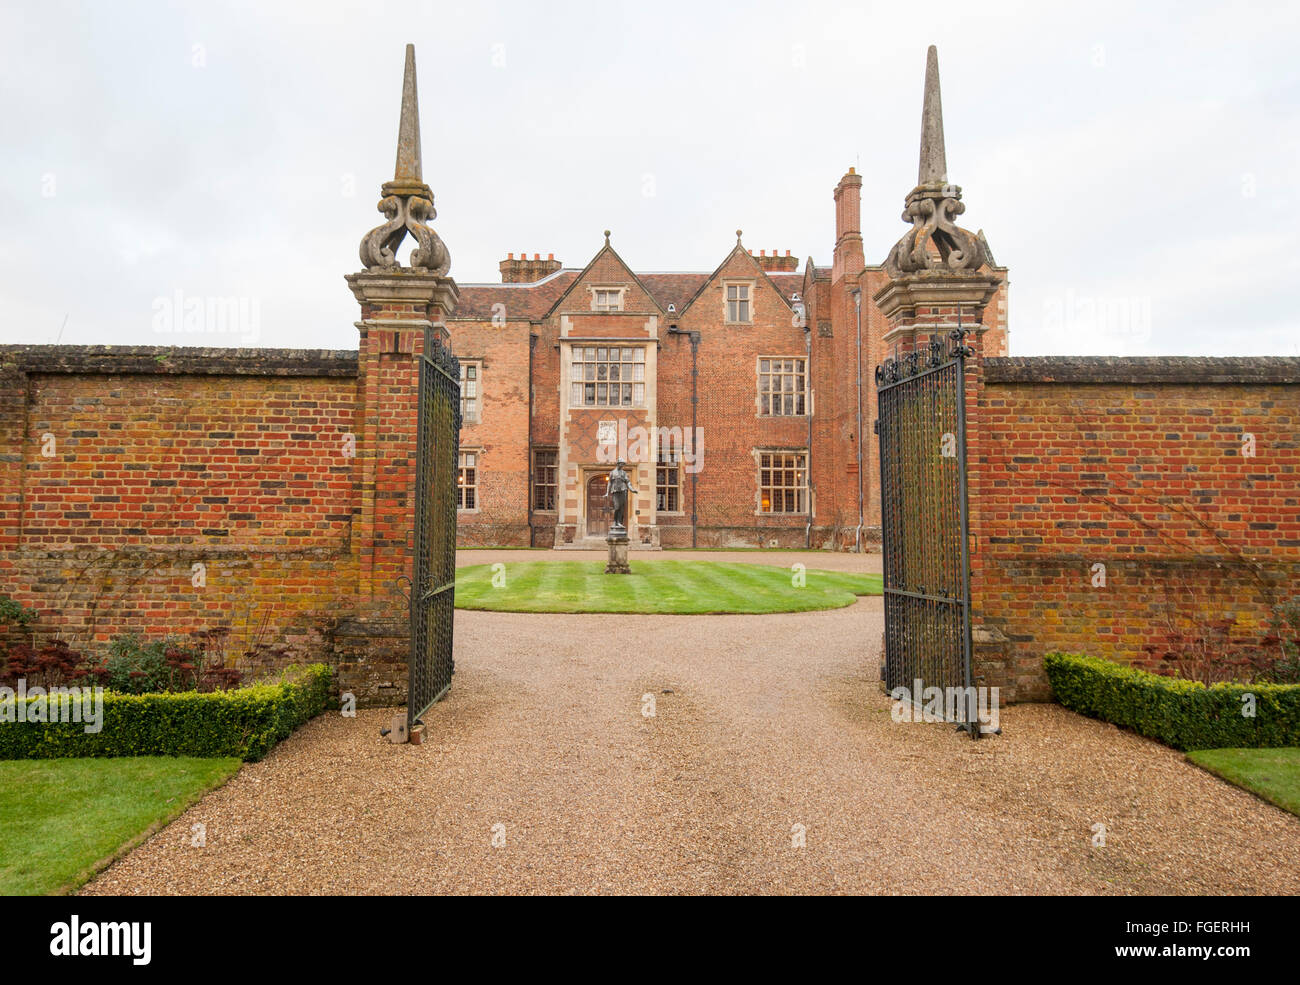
[{"x": 657, "y": 586}]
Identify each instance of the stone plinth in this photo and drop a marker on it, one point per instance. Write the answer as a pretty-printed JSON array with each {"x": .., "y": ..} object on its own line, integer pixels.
[
  {"x": 371, "y": 659},
  {"x": 617, "y": 564}
]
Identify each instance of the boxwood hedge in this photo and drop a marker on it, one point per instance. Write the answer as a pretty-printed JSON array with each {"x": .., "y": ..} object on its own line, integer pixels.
[
  {"x": 1180, "y": 713},
  {"x": 246, "y": 722}
]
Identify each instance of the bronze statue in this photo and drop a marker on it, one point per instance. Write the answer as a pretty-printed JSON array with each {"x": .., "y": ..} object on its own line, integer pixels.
[{"x": 619, "y": 485}]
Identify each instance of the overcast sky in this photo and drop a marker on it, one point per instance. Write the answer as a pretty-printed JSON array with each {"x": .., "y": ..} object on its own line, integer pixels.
[{"x": 1136, "y": 166}]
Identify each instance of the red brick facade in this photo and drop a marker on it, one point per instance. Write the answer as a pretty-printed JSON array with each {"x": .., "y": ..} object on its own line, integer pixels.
[
  {"x": 701, "y": 375},
  {"x": 1120, "y": 504}
]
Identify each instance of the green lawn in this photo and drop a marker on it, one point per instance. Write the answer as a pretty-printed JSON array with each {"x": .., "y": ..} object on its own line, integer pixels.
[
  {"x": 682, "y": 587},
  {"x": 62, "y": 820},
  {"x": 1273, "y": 774}
]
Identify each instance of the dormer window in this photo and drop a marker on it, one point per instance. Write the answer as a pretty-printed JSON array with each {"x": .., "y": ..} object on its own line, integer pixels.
[
  {"x": 607, "y": 299},
  {"x": 738, "y": 311}
]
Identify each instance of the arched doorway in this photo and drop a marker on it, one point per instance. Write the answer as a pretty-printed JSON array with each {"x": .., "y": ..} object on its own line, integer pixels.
[{"x": 598, "y": 507}]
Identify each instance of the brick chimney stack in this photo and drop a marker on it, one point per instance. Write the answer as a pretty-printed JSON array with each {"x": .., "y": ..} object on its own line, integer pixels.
[
  {"x": 849, "y": 259},
  {"x": 526, "y": 271},
  {"x": 775, "y": 263}
]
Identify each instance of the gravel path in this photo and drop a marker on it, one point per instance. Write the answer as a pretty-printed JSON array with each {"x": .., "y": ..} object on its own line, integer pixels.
[{"x": 761, "y": 723}]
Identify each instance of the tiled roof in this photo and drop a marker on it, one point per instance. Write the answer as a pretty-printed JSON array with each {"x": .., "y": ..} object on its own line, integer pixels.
[
  {"x": 787, "y": 283},
  {"x": 675, "y": 289},
  {"x": 533, "y": 301}
]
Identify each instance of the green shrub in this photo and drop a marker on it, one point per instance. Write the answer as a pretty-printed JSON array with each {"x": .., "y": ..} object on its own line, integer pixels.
[
  {"x": 136, "y": 667},
  {"x": 246, "y": 722},
  {"x": 1180, "y": 713},
  {"x": 15, "y": 613}
]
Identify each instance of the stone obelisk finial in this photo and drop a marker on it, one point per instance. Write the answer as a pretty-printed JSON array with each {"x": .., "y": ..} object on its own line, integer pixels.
[
  {"x": 408, "y": 129},
  {"x": 407, "y": 201},
  {"x": 934, "y": 163},
  {"x": 933, "y": 204}
]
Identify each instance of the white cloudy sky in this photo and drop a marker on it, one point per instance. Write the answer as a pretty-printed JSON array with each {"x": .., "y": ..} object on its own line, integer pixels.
[{"x": 1139, "y": 160}]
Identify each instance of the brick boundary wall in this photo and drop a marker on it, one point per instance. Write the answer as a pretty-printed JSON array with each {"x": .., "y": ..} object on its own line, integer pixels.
[
  {"x": 1137, "y": 464},
  {"x": 164, "y": 458}
]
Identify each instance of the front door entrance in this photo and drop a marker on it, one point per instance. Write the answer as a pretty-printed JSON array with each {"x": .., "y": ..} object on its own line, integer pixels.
[{"x": 598, "y": 506}]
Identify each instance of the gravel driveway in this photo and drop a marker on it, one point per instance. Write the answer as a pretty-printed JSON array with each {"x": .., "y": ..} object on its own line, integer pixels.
[{"x": 761, "y": 724}]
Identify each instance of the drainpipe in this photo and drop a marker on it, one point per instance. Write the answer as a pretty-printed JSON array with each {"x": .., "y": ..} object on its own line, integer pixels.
[
  {"x": 695, "y": 402},
  {"x": 694, "y": 339},
  {"x": 807, "y": 343},
  {"x": 857, "y": 534},
  {"x": 532, "y": 478}
]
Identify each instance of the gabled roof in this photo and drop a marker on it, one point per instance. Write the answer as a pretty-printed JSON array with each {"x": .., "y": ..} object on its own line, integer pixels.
[
  {"x": 537, "y": 300},
  {"x": 606, "y": 249},
  {"x": 786, "y": 278}
]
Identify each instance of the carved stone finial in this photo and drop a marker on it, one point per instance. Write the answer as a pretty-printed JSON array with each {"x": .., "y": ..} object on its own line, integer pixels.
[
  {"x": 407, "y": 202},
  {"x": 934, "y": 203},
  {"x": 738, "y": 234},
  {"x": 408, "y": 128},
  {"x": 933, "y": 168},
  {"x": 606, "y": 237}
]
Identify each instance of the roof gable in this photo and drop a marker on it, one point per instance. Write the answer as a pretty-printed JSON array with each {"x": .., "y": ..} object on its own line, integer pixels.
[
  {"x": 608, "y": 268},
  {"x": 747, "y": 258}
]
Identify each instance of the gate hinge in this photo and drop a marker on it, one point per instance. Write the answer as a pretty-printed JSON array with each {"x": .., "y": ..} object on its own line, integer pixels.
[{"x": 875, "y": 426}]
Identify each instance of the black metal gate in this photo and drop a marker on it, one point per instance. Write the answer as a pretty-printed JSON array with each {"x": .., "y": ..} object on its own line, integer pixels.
[
  {"x": 922, "y": 429},
  {"x": 433, "y": 585}
]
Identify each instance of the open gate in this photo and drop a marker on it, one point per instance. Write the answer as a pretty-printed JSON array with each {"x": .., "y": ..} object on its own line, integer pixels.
[
  {"x": 433, "y": 579},
  {"x": 922, "y": 429}
]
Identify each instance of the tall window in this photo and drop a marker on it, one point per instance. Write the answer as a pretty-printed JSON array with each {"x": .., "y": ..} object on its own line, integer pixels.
[
  {"x": 783, "y": 481},
  {"x": 467, "y": 481},
  {"x": 782, "y": 386},
  {"x": 738, "y": 303},
  {"x": 668, "y": 479},
  {"x": 608, "y": 376},
  {"x": 607, "y": 299},
  {"x": 545, "y": 478},
  {"x": 469, "y": 395}
]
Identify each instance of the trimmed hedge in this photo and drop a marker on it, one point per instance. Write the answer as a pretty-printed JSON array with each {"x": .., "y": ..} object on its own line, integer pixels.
[
  {"x": 245, "y": 723},
  {"x": 1179, "y": 713}
]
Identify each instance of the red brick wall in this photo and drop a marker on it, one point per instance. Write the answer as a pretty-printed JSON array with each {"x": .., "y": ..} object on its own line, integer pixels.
[
  {"x": 167, "y": 459},
  {"x": 501, "y": 436},
  {"x": 1135, "y": 464}
]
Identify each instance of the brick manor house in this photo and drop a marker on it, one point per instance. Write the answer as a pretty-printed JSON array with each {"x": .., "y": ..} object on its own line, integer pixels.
[{"x": 743, "y": 399}]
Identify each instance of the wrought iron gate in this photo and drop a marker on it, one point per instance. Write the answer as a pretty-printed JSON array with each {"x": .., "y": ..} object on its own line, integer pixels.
[
  {"x": 433, "y": 579},
  {"x": 922, "y": 429}
]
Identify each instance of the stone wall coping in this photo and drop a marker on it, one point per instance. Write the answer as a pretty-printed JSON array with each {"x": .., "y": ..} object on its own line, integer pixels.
[
  {"x": 1142, "y": 369},
  {"x": 177, "y": 360}
]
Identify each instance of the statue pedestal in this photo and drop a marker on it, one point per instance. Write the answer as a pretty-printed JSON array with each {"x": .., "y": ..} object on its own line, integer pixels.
[{"x": 617, "y": 564}]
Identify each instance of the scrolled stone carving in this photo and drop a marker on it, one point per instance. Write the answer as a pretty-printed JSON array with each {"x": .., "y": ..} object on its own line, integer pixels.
[
  {"x": 407, "y": 212},
  {"x": 931, "y": 211},
  {"x": 407, "y": 202}
]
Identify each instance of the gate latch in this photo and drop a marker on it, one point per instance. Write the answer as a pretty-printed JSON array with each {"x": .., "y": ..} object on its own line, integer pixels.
[{"x": 875, "y": 426}]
